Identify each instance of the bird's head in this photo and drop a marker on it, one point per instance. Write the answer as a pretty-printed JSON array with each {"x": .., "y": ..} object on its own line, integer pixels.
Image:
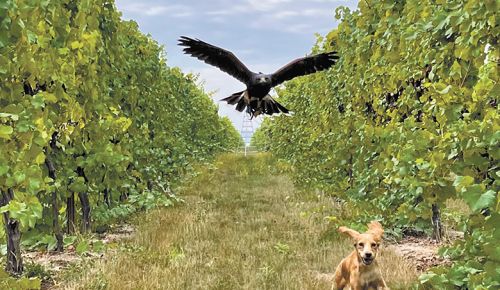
[{"x": 263, "y": 79}]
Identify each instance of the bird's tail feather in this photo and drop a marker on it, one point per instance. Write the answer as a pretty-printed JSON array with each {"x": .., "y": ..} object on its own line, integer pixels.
[
  {"x": 234, "y": 98},
  {"x": 240, "y": 99},
  {"x": 241, "y": 105},
  {"x": 255, "y": 106},
  {"x": 269, "y": 106}
]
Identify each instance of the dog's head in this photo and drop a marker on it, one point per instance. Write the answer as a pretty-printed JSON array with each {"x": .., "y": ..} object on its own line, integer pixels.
[{"x": 366, "y": 244}]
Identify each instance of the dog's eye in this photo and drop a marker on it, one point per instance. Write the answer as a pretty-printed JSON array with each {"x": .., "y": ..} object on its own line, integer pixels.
[
  {"x": 374, "y": 245},
  {"x": 361, "y": 244}
]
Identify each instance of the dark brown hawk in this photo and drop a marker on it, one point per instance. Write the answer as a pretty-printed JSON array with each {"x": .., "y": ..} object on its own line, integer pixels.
[{"x": 255, "y": 98}]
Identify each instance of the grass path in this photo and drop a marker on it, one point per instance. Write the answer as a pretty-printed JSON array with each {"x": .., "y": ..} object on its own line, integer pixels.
[{"x": 241, "y": 227}]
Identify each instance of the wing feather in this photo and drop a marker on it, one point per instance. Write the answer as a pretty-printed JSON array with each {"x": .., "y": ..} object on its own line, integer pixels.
[
  {"x": 223, "y": 59},
  {"x": 304, "y": 66}
]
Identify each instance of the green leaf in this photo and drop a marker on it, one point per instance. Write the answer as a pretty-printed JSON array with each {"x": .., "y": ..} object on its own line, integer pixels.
[
  {"x": 24, "y": 126},
  {"x": 6, "y": 131},
  {"x": 463, "y": 181},
  {"x": 486, "y": 200},
  {"x": 82, "y": 247},
  {"x": 4, "y": 168},
  {"x": 4, "y": 61},
  {"x": 48, "y": 97},
  {"x": 51, "y": 242},
  {"x": 14, "y": 208},
  {"x": 456, "y": 69},
  {"x": 69, "y": 240},
  {"x": 79, "y": 185},
  {"x": 38, "y": 101},
  {"x": 13, "y": 117},
  {"x": 476, "y": 198},
  {"x": 445, "y": 90},
  {"x": 76, "y": 45},
  {"x": 19, "y": 177}
]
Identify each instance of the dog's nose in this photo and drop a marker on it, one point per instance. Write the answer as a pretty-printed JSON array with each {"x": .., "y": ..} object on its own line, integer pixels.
[{"x": 368, "y": 255}]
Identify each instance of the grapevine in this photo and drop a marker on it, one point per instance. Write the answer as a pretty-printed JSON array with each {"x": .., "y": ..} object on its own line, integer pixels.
[{"x": 407, "y": 120}]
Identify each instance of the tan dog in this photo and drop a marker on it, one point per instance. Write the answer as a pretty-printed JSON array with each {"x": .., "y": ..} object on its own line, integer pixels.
[{"x": 360, "y": 270}]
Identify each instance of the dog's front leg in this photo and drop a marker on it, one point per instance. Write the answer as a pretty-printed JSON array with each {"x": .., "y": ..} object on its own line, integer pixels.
[{"x": 354, "y": 281}]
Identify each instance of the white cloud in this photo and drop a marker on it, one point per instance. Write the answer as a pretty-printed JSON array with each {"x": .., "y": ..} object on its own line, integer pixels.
[
  {"x": 230, "y": 9},
  {"x": 218, "y": 20},
  {"x": 182, "y": 14},
  {"x": 265, "y": 5},
  {"x": 290, "y": 16},
  {"x": 284, "y": 26},
  {"x": 139, "y": 8},
  {"x": 154, "y": 10},
  {"x": 318, "y": 12},
  {"x": 219, "y": 12},
  {"x": 298, "y": 28},
  {"x": 285, "y": 14}
]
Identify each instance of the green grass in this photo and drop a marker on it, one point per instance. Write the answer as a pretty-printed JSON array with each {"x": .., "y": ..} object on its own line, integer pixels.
[{"x": 242, "y": 226}]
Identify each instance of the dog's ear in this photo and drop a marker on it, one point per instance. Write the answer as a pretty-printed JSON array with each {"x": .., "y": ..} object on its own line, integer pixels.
[
  {"x": 354, "y": 234},
  {"x": 375, "y": 228}
]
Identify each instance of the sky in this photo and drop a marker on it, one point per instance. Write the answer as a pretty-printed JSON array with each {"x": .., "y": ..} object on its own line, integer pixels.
[{"x": 263, "y": 34}]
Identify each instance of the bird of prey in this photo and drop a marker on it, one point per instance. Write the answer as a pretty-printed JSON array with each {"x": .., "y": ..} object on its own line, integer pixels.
[{"x": 255, "y": 98}]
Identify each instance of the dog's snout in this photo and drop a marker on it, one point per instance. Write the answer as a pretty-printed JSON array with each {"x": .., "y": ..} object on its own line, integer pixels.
[{"x": 368, "y": 255}]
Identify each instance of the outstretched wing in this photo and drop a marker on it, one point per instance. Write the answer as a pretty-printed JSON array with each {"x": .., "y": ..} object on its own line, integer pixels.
[
  {"x": 225, "y": 60},
  {"x": 304, "y": 66}
]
